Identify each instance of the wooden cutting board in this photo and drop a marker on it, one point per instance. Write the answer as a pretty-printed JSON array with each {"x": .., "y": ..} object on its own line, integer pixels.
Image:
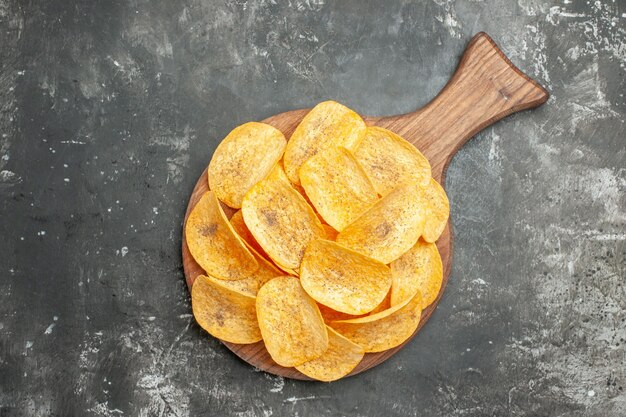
[{"x": 485, "y": 88}]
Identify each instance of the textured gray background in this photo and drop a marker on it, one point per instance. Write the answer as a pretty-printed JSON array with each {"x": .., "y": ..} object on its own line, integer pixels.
[{"x": 109, "y": 111}]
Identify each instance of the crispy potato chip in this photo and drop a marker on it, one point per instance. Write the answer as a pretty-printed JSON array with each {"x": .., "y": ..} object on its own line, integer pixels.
[
  {"x": 437, "y": 212},
  {"x": 384, "y": 330},
  {"x": 384, "y": 305},
  {"x": 300, "y": 189},
  {"x": 244, "y": 233},
  {"x": 327, "y": 125},
  {"x": 214, "y": 244},
  {"x": 225, "y": 313},
  {"x": 337, "y": 186},
  {"x": 343, "y": 279},
  {"x": 242, "y": 159},
  {"x": 389, "y": 160},
  {"x": 420, "y": 269},
  {"x": 281, "y": 220},
  {"x": 242, "y": 230},
  {"x": 291, "y": 324},
  {"x": 331, "y": 315},
  {"x": 254, "y": 282},
  {"x": 256, "y": 249},
  {"x": 341, "y": 357},
  {"x": 390, "y": 227},
  {"x": 331, "y": 234}
]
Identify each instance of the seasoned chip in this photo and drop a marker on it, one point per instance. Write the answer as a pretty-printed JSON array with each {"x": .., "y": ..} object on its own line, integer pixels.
[
  {"x": 337, "y": 186},
  {"x": 390, "y": 227},
  {"x": 327, "y": 125},
  {"x": 343, "y": 279},
  {"x": 300, "y": 189},
  {"x": 291, "y": 324},
  {"x": 242, "y": 159},
  {"x": 225, "y": 313},
  {"x": 389, "y": 160},
  {"x": 244, "y": 233},
  {"x": 331, "y": 315},
  {"x": 384, "y": 330},
  {"x": 419, "y": 269},
  {"x": 280, "y": 219},
  {"x": 214, "y": 244},
  {"x": 437, "y": 211},
  {"x": 331, "y": 234},
  {"x": 341, "y": 357},
  {"x": 251, "y": 284},
  {"x": 242, "y": 230},
  {"x": 384, "y": 305}
]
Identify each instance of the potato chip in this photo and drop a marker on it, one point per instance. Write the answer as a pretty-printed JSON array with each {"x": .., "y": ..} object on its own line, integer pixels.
[
  {"x": 390, "y": 227},
  {"x": 225, "y": 313},
  {"x": 331, "y": 234},
  {"x": 437, "y": 212},
  {"x": 384, "y": 305},
  {"x": 420, "y": 269},
  {"x": 389, "y": 160},
  {"x": 256, "y": 249},
  {"x": 341, "y": 357},
  {"x": 253, "y": 246},
  {"x": 343, "y": 279},
  {"x": 254, "y": 282},
  {"x": 280, "y": 219},
  {"x": 291, "y": 324},
  {"x": 327, "y": 125},
  {"x": 214, "y": 244},
  {"x": 384, "y": 330},
  {"x": 300, "y": 189},
  {"x": 243, "y": 158},
  {"x": 337, "y": 186},
  {"x": 244, "y": 233},
  {"x": 331, "y": 315}
]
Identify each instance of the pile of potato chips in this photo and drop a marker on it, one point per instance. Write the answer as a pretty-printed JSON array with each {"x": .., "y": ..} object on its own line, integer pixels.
[{"x": 331, "y": 251}]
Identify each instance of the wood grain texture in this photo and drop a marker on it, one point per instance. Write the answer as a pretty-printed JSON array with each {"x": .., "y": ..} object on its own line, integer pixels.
[{"x": 485, "y": 88}]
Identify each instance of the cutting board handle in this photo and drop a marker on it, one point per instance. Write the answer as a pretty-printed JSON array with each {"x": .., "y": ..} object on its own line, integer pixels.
[{"x": 485, "y": 88}]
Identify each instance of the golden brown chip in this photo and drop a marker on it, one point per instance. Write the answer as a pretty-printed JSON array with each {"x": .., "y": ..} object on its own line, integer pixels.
[
  {"x": 242, "y": 159},
  {"x": 331, "y": 234},
  {"x": 341, "y": 357},
  {"x": 327, "y": 125},
  {"x": 214, "y": 244},
  {"x": 253, "y": 246},
  {"x": 251, "y": 284},
  {"x": 337, "y": 186},
  {"x": 343, "y": 279},
  {"x": 225, "y": 313},
  {"x": 280, "y": 219},
  {"x": 437, "y": 211},
  {"x": 389, "y": 160},
  {"x": 300, "y": 189},
  {"x": 331, "y": 315},
  {"x": 384, "y": 330},
  {"x": 419, "y": 269},
  {"x": 384, "y": 305},
  {"x": 291, "y": 324},
  {"x": 242, "y": 231},
  {"x": 390, "y": 227}
]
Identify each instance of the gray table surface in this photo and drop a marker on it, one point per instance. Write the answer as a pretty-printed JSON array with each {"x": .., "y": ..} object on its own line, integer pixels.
[{"x": 109, "y": 111}]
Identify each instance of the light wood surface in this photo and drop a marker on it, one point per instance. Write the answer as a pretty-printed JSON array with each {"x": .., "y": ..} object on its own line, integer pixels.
[{"x": 485, "y": 88}]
